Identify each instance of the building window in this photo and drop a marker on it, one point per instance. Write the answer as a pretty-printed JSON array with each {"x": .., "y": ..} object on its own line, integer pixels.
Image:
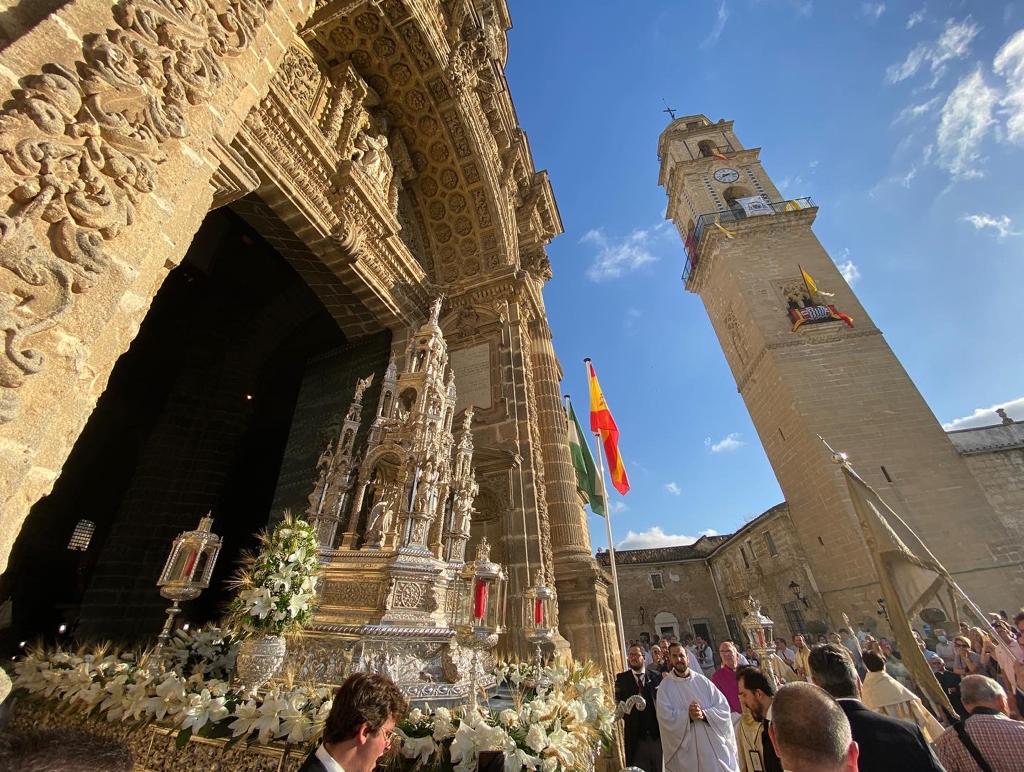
[
  {"x": 735, "y": 634},
  {"x": 743, "y": 554},
  {"x": 656, "y": 581},
  {"x": 794, "y": 617},
  {"x": 769, "y": 542},
  {"x": 82, "y": 535}
]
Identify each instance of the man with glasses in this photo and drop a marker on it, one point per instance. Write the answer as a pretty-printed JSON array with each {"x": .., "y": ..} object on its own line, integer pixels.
[
  {"x": 360, "y": 726},
  {"x": 643, "y": 738}
]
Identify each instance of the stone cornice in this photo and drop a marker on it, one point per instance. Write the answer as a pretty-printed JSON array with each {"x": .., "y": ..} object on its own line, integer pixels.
[{"x": 714, "y": 241}]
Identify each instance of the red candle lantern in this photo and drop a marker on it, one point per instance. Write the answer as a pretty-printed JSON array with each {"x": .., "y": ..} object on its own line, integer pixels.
[{"x": 483, "y": 601}]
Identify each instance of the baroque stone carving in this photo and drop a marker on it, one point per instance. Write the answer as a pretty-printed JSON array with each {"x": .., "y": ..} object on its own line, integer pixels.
[
  {"x": 300, "y": 76},
  {"x": 361, "y": 594},
  {"x": 408, "y": 594},
  {"x": 81, "y": 148}
]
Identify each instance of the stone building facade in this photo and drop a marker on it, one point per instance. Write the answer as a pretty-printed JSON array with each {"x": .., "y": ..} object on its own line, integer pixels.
[
  {"x": 810, "y": 366},
  {"x": 995, "y": 454},
  {"x": 699, "y": 589},
  {"x": 374, "y": 147}
]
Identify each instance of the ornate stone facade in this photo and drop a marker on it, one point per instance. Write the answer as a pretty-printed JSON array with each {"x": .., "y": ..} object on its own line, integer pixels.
[{"x": 383, "y": 138}]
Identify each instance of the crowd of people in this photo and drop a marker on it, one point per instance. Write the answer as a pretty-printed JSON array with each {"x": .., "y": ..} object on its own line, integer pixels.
[{"x": 846, "y": 701}]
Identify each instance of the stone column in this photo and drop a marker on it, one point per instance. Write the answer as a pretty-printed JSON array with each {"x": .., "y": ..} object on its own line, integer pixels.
[
  {"x": 570, "y": 533},
  {"x": 585, "y": 617},
  {"x": 107, "y": 169}
]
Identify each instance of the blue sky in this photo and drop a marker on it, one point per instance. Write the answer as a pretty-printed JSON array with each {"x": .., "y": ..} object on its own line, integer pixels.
[{"x": 903, "y": 120}]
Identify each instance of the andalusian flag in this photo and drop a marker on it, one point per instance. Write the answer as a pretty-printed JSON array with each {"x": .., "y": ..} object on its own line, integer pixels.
[
  {"x": 586, "y": 473},
  {"x": 601, "y": 421}
]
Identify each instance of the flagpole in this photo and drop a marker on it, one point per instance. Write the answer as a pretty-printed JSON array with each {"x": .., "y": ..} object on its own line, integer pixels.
[{"x": 611, "y": 546}]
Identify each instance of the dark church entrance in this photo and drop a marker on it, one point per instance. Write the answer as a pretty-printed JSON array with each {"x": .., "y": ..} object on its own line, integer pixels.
[{"x": 199, "y": 415}]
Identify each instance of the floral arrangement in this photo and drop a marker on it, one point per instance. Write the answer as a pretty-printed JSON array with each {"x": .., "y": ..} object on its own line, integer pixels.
[
  {"x": 560, "y": 716},
  {"x": 276, "y": 586},
  {"x": 122, "y": 687},
  {"x": 555, "y": 726},
  {"x": 209, "y": 652}
]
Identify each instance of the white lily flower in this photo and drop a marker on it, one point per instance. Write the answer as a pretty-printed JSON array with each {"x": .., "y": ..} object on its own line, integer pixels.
[
  {"x": 419, "y": 748},
  {"x": 203, "y": 709},
  {"x": 246, "y": 716}
]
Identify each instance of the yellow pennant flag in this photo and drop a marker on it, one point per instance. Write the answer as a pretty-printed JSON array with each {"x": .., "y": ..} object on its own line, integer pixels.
[
  {"x": 809, "y": 282},
  {"x": 812, "y": 287},
  {"x": 728, "y": 233}
]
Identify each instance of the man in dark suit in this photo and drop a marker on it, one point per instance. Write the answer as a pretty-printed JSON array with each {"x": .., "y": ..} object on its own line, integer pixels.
[
  {"x": 885, "y": 743},
  {"x": 360, "y": 725},
  {"x": 643, "y": 739},
  {"x": 756, "y": 694}
]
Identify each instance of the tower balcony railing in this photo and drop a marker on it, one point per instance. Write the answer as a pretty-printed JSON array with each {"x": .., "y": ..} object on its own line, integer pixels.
[{"x": 712, "y": 220}]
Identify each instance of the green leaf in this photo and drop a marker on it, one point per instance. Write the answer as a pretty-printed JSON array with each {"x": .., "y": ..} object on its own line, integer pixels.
[{"x": 182, "y": 739}]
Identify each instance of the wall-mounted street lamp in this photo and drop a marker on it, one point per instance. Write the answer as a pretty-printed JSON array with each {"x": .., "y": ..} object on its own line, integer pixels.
[{"x": 795, "y": 589}]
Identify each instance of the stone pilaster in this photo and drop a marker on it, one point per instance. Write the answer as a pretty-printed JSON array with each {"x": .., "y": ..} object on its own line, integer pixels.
[{"x": 585, "y": 616}]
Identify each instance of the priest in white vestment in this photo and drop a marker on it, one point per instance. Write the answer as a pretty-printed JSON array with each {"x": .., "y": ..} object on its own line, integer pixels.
[{"x": 694, "y": 719}]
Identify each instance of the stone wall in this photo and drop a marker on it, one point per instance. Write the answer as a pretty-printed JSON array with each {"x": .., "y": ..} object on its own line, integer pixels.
[
  {"x": 1001, "y": 475},
  {"x": 328, "y": 385},
  {"x": 668, "y": 587},
  {"x": 762, "y": 559}
]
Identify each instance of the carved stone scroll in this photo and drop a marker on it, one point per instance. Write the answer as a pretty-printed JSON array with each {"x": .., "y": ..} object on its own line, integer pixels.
[{"x": 81, "y": 147}]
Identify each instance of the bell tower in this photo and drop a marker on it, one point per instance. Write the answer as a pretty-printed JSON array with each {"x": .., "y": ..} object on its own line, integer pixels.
[{"x": 809, "y": 361}]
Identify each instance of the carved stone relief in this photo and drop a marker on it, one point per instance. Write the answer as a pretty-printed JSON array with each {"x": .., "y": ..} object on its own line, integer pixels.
[{"x": 81, "y": 148}]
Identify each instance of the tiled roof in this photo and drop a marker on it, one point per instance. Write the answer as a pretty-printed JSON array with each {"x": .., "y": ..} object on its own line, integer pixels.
[
  {"x": 699, "y": 549},
  {"x": 986, "y": 439}
]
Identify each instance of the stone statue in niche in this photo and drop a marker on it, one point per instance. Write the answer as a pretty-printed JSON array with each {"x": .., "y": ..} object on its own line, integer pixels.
[
  {"x": 463, "y": 507},
  {"x": 371, "y": 156},
  {"x": 381, "y": 516}
]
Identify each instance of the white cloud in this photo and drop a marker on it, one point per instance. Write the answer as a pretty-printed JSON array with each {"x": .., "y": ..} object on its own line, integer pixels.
[
  {"x": 728, "y": 443},
  {"x": 801, "y": 7},
  {"x": 617, "y": 507},
  {"x": 716, "y": 30},
  {"x": 1002, "y": 225},
  {"x": 1009, "y": 63},
  {"x": 966, "y": 119},
  {"x": 953, "y": 43},
  {"x": 986, "y": 416},
  {"x": 616, "y": 258},
  {"x": 849, "y": 271},
  {"x": 674, "y": 489},
  {"x": 912, "y": 112},
  {"x": 915, "y": 18},
  {"x": 655, "y": 537},
  {"x": 872, "y": 10},
  {"x": 788, "y": 184}
]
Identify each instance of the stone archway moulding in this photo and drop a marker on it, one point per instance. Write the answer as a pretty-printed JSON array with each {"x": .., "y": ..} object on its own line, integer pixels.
[{"x": 107, "y": 150}]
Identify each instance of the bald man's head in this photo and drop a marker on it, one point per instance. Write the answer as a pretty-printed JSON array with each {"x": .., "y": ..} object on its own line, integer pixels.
[{"x": 810, "y": 731}]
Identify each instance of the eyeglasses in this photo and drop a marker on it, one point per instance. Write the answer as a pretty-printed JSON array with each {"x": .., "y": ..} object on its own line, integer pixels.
[{"x": 961, "y": 645}]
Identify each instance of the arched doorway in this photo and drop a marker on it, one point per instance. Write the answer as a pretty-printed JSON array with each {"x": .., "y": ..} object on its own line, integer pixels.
[
  {"x": 216, "y": 406},
  {"x": 666, "y": 624}
]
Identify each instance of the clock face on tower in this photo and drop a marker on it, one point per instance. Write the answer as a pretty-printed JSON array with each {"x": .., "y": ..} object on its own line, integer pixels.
[{"x": 727, "y": 175}]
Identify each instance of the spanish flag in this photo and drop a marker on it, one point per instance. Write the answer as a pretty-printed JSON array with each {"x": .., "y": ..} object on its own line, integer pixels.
[{"x": 601, "y": 421}]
